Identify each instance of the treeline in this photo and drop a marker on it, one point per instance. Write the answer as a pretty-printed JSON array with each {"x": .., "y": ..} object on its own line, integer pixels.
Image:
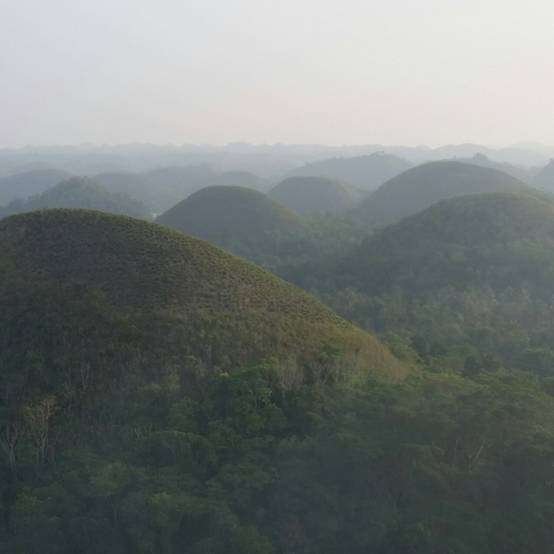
[{"x": 234, "y": 464}]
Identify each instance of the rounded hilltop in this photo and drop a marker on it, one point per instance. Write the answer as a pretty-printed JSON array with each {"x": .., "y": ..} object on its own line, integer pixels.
[{"x": 140, "y": 299}]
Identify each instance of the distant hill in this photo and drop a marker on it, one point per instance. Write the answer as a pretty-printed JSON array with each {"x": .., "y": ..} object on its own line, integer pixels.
[
  {"x": 29, "y": 183},
  {"x": 424, "y": 185},
  {"x": 242, "y": 220},
  {"x": 242, "y": 179},
  {"x": 470, "y": 273},
  {"x": 178, "y": 182},
  {"x": 138, "y": 303},
  {"x": 544, "y": 180},
  {"x": 80, "y": 192},
  {"x": 311, "y": 195},
  {"x": 136, "y": 186},
  {"x": 525, "y": 174},
  {"x": 162, "y": 188},
  {"x": 363, "y": 172}
]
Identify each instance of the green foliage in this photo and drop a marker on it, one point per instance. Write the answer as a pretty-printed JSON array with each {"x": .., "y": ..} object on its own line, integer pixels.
[
  {"x": 235, "y": 464},
  {"x": 467, "y": 277}
]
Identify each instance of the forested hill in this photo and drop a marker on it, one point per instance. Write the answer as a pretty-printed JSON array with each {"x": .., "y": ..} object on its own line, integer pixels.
[
  {"x": 424, "y": 185},
  {"x": 467, "y": 276}
]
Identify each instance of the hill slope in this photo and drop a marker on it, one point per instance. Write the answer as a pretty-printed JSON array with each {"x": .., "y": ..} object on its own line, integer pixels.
[
  {"x": 524, "y": 174},
  {"x": 544, "y": 180},
  {"x": 474, "y": 273},
  {"x": 363, "y": 172},
  {"x": 111, "y": 288},
  {"x": 29, "y": 183},
  {"x": 422, "y": 186},
  {"x": 311, "y": 195},
  {"x": 242, "y": 220},
  {"x": 81, "y": 192}
]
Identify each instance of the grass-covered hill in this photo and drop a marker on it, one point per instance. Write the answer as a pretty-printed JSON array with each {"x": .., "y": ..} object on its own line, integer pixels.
[
  {"x": 424, "y": 185},
  {"x": 313, "y": 195},
  {"x": 241, "y": 220},
  {"x": 29, "y": 183},
  {"x": 363, "y": 172},
  {"x": 120, "y": 294},
  {"x": 80, "y": 192},
  {"x": 474, "y": 272},
  {"x": 544, "y": 179}
]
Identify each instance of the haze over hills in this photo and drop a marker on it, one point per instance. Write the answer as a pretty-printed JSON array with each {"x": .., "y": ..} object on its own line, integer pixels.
[
  {"x": 313, "y": 195},
  {"x": 422, "y": 186},
  {"x": 80, "y": 192},
  {"x": 472, "y": 274},
  {"x": 544, "y": 179},
  {"x": 30, "y": 183},
  {"x": 524, "y": 174},
  {"x": 364, "y": 172},
  {"x": 273, "y": 162}
]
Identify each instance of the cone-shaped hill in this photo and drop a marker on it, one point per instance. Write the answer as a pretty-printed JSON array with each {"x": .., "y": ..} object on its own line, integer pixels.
[
  {"x": 501, "y": 239},
  {"x": 313, "y": 195},
  {"x": 91, "y": 296},
  {"x": 424, "y": 185},
  {"x": 81, "y": 192},
  {"x": 475, "y": 271},
  {"x": 242, "y": 220}
]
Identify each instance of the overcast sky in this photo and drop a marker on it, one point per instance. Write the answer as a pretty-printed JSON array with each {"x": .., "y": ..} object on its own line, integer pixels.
[{"x": 265, "y": 71}]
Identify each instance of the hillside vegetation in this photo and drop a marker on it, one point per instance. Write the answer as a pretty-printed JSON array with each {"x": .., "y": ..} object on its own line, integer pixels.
[
  {"x": 178, "y": 298},
  {"x": 474, "y": 274}
]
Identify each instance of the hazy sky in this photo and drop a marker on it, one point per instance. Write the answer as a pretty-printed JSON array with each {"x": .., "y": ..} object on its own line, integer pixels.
[{"x": 295, "y": 71}]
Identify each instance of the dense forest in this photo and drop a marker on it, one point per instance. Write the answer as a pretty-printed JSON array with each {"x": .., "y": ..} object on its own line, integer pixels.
[{"x": 160, "y": 394}]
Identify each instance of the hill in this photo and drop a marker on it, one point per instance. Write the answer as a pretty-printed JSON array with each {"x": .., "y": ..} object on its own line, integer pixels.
[
  {"x": 80, "y": 192},
  {"x": 242, "y": 220},
  {"x": 178, "y": 182},
  {"x": 136, "y": 186},
  {"x": 424, "y": 185},
  {"x": 312, "y": 195},
  {"x": 29, "y": 183},
  {"x": 363, "y": 172},
  {"x": 474, "y": 273},
  {"x": 110, "y": 287},
  {"x": 126, "y": 425},
  {"x": 522, "y": 173},
  {"x": 241, "y": 179},
  {"x": 544, "y": 180}
]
